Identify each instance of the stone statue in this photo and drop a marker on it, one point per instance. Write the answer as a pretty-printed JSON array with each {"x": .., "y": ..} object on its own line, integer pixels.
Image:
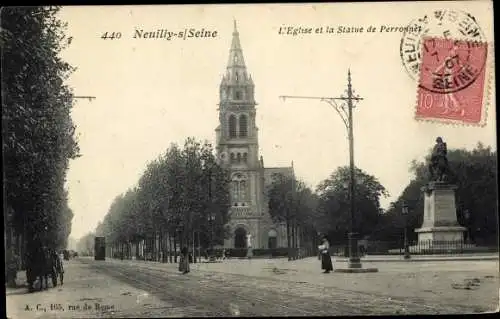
[
  {"x": 249, "y": 246},
  {"x": 438, "y": 167},
  {"x": 249, "y": 241}
]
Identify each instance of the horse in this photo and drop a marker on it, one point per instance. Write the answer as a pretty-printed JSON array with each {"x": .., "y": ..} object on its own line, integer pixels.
[
  {"x": 42, "y": 263},
  {"x": 59, "y": 269}
]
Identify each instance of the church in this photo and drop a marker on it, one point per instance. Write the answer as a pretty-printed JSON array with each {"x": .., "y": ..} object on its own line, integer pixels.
[{"x": 237, "y": 147}]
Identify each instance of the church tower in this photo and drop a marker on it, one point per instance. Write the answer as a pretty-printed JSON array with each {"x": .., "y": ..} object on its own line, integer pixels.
[{"x": 237, "y": 146}]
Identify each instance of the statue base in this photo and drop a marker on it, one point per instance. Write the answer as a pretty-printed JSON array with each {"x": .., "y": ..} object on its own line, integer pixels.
[{"x": 440, "y": 226}]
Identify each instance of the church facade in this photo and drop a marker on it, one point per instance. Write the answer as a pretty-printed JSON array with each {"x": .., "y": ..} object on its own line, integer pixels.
[{"x": 237, "y": 147}]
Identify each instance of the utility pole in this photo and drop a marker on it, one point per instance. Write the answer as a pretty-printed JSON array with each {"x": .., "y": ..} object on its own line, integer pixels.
[
  {"x": 345, "y": 112},
  {"x": 211, "y": 214}
]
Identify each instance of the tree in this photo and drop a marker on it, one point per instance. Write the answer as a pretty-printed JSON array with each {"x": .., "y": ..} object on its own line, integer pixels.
[
  {"x": 85, "y": 245},
  {"x": 475, "y": 173},
  {"x": 292, "y": 202},
  {"x": 173, "y": 199},
  {"x": 334, "y": 203},
  {"x": 38, "y": 133}
]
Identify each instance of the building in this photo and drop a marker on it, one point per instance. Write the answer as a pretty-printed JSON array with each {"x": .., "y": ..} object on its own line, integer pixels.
[{"x": 237, "y": 147}]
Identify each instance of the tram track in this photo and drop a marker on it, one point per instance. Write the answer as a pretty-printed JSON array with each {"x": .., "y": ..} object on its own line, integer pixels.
[
  {"x": 265, "y": 300},
  {"x": 223, "y": 299},
  {"x": 166, "y": 290},
  {"x": 377, "y": 300}
]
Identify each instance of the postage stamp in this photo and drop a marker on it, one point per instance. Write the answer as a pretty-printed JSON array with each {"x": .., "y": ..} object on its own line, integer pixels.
[
  {"x": 446, "y": 54},
  {"x": 451, "y": 80}
]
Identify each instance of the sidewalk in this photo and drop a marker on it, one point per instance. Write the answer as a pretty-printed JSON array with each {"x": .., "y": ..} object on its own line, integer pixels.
[{"x": 85, "y": 294}]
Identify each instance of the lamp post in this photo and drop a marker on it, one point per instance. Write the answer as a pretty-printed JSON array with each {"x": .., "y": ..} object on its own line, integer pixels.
[
  {"x": 467, "y": 224},
  {"x": 405, "y": 214},
  {"x": 211, "y": 219},
  {"x": 345, "y": 112},
  {"x": 318, "y": 242}
]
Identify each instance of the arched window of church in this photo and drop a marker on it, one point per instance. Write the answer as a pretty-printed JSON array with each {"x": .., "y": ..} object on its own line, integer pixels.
[
  {"x": 233, "y": 158},
  {"x": 244, "y": 157},
  {"x": 235, "y": 192},
  {"x": 236, "y": 76},
  {"x": 239, "y": 157},
  {"x": 243, "y": 191},
  {"x": 243, "y": 126},
  {"x": 232, "y": 126},
  {"x": 239, "y": 190}
]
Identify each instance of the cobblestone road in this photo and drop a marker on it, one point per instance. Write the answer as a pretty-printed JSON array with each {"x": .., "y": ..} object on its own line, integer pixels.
[
  {"x": 255, "y": 288},
  {"x": 222, "y": 293}
]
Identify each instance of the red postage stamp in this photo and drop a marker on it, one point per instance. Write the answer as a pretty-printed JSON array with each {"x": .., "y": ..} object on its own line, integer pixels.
[
  {"x": 452, "y": 79},
  {"x": 445, "y": 53}
]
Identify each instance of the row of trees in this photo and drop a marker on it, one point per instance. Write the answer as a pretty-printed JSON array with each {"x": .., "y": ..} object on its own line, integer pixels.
[
  {"x": 85, "y": 245},
  {"x": 475, "y": 174},
  {"x": 38, "y": 133},
  {"x": 291, "y": 202},
  {"x": 174, "y": 195},
  {"x": 181, "y": 194},
  {"x": 327, "y": 210}
]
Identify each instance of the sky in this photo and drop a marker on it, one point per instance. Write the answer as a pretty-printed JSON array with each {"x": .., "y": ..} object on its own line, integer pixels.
[{"x": 154, "y": 92}]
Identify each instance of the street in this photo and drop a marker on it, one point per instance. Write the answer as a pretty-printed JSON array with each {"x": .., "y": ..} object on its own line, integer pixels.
[
  {"x": 115, "y": 288},
  {"x": 280, "y": 167}
]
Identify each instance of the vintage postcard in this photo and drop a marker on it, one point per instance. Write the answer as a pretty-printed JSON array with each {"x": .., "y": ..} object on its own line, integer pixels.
[{"x": 322, "y": 159}]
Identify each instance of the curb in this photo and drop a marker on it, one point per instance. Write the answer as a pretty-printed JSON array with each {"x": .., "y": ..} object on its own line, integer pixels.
[{"x": 422, "y": 259}]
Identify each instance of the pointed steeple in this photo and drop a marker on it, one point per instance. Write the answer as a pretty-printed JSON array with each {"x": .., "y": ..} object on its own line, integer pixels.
[
  {"x": 236, "y": 59},
  {"x": 236, "y": 83}
]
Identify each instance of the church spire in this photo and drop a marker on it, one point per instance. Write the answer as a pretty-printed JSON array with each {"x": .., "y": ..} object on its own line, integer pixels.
[
  {"x": 237, "y": 84},
  {"x": 236, "y": 59}
]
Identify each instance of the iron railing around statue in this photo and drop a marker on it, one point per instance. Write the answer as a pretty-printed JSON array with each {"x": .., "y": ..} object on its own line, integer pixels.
[{"x": 428, "y": 247}]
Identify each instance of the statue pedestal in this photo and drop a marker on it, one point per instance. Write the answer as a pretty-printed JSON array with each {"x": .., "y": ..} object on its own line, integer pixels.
[{"x": 440, "y": 229}]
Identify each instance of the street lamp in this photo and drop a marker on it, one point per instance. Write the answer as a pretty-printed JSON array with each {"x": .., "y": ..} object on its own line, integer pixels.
[
  {"x": 211, "y": 219},
  {"x": 319, "y": 240},
  {"x": 345, "y": 112},
  {"x": 405, "y": 214},
  {"x": 467, "y": 224}
]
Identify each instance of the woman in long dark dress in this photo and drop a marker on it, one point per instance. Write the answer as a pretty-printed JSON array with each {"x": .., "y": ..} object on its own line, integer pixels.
[
  {"x": 326, "y": 261},
  {"x": 184, "y": 261}
]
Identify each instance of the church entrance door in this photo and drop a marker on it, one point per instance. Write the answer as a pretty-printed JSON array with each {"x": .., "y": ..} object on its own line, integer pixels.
[{"x": 240, "y": 238}]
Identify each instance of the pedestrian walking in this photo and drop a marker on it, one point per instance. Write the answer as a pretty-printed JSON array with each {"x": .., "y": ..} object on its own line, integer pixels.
[
  {"x": 326, "y": 261},
  {"x": 184, "y": 261}
]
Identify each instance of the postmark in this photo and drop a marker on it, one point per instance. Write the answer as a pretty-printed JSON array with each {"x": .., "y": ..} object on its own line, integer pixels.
[
  {"x": 445, "y": 24},
  {"x": 446, "y": 56},
  {"x": 452, "y": 80}
]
